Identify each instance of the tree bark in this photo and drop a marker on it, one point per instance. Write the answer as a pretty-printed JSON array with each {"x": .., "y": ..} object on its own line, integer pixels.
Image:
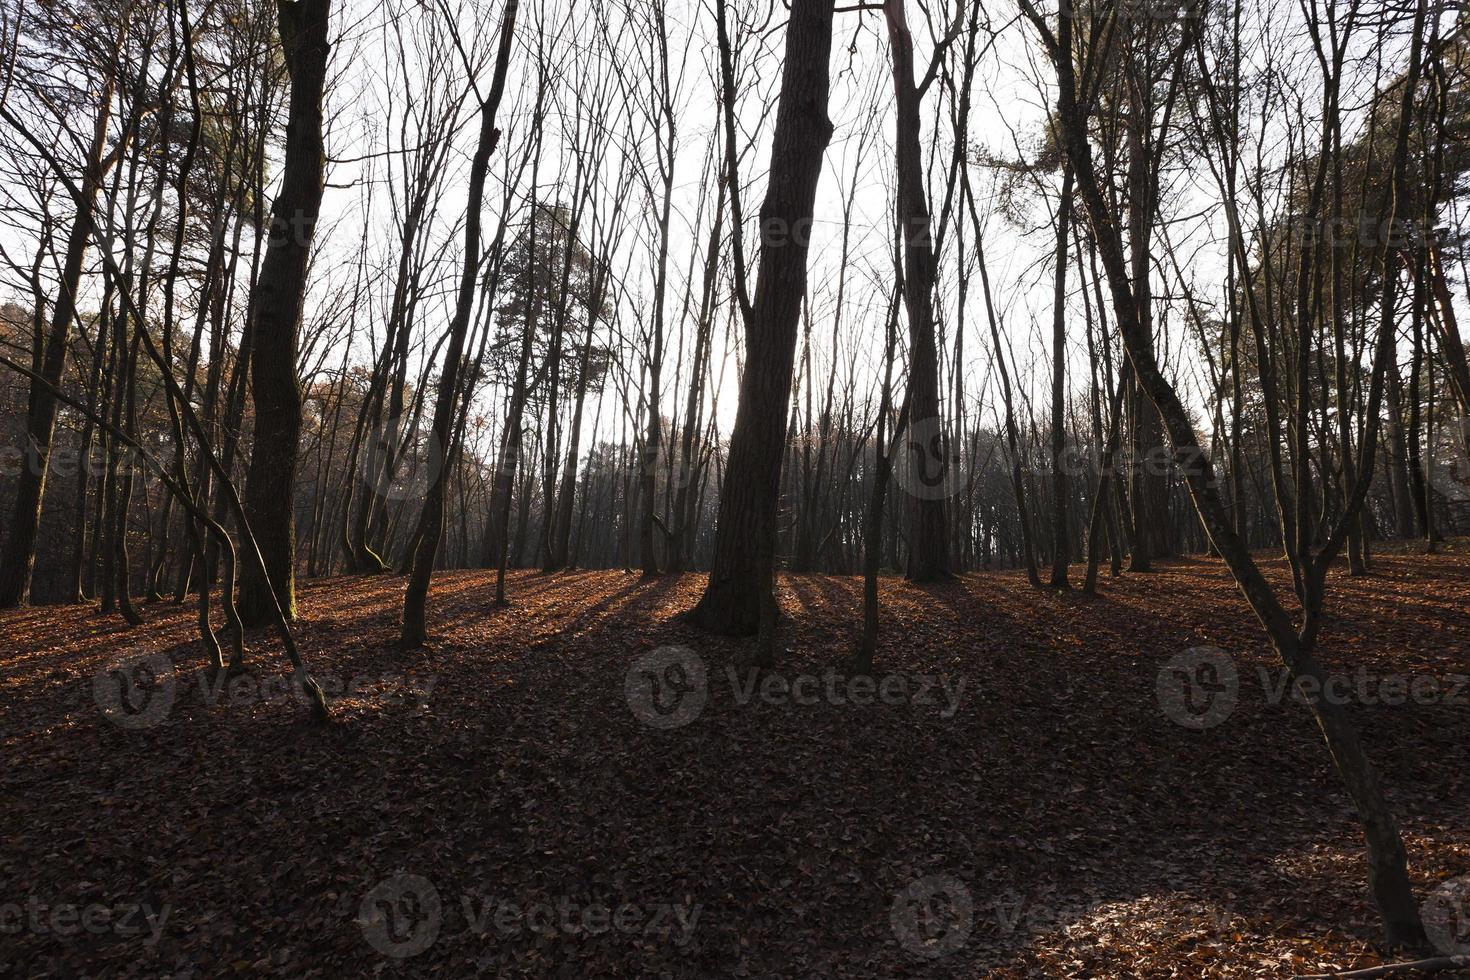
[
  {"x": 279, "y": 295},
  {"x": 732, "y": 601},
  {"x": 928, "y": 553}
]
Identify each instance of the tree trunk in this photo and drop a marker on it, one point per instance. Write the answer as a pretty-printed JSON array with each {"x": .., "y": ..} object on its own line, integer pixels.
[
  {"x": 19, "y": 556},
  {"x": 431, "y": 521},
  {"x": 279, "y": 294},
  {"x": 731, "y": 602},
  {"x": 1061, "y": 541},
  {"x": 928, "y": 554}
]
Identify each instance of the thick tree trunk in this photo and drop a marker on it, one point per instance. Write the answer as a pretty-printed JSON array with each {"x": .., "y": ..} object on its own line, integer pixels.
[
  {"x": 731, "y": 603},
  {"x": 279, "y": 294},
  {"x": 1150, "y": 494},
  {"x": 928, "y": 554}
]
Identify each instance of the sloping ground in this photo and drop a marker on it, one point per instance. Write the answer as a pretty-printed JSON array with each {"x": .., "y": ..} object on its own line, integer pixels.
[{"x": 494, "y": 804}]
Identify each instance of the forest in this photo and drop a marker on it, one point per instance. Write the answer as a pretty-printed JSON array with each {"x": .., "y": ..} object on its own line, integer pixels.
[{"x": 691, "y": 488}]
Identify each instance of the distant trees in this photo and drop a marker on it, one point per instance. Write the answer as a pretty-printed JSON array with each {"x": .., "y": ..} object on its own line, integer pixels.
[{"x": 101, "y": 68}]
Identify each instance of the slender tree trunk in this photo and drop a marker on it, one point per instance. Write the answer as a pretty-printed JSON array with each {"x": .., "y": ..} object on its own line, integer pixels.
[
  {"x": 18, "y": 559},
  {"x": 1061, "y": 540},
  {"x": 431, "y": 521}
]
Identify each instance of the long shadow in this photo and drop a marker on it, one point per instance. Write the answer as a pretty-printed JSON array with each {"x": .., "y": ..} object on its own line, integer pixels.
[{"x": 1060, "y": 785}]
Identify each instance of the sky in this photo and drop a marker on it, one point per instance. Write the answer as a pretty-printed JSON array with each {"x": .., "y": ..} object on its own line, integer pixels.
[{"x": 366, "y": 106}]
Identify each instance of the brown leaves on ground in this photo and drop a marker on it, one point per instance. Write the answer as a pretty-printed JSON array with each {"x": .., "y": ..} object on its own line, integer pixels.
[{"x": 1056, "y": 822}]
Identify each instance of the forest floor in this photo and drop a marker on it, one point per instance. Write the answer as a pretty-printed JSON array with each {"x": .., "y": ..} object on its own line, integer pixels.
[{"x": 497, "y": 803}]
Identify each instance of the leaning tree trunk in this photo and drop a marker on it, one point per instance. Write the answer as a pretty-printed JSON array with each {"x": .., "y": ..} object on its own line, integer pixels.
[
  {"x": 732, "y": 601},
  {"x": 279, "y": 293},
  {"x": 431, "y": 521},
  {"x": 1388, "y": 878}
]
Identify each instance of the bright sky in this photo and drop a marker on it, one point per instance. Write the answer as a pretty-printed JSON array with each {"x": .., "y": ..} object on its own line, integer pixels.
[{"x": 366, "y": 107}]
